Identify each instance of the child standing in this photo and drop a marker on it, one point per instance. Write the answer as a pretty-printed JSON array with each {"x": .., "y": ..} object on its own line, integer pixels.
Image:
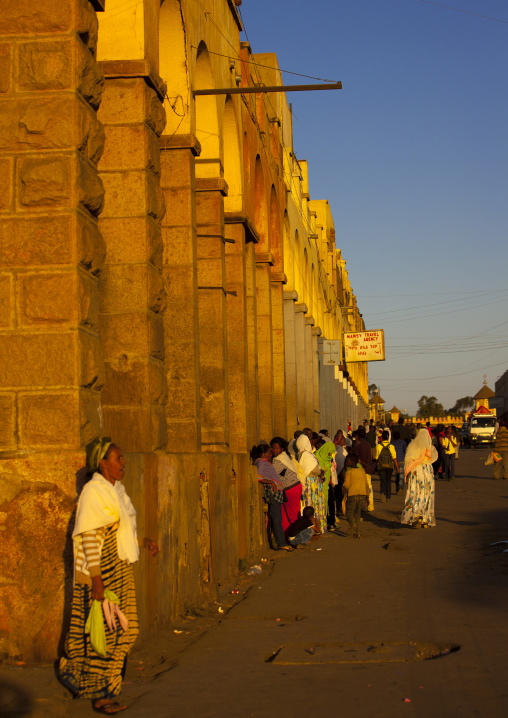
[{"x": 357, "y": 488}]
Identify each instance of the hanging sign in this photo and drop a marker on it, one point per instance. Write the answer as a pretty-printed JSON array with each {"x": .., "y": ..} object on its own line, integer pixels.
[
  {"x": 331, "y": 352},
  {"x": 365, "y": 346}
]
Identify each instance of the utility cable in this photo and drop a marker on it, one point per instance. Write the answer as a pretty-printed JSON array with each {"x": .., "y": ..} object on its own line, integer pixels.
[
  {"x": 449, "y": 7},
  {"x": 268, "y": 67}
]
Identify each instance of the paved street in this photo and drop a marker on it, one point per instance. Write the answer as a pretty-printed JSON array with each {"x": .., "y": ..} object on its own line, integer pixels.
[{"x": 352, "y": 618}]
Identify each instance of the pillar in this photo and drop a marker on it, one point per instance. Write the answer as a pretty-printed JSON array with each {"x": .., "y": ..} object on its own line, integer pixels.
[
  {"x": 316, "y": 333},
  {"x": 213, "y": 358},
  {"x": 252, "y": 344},
  {"x": 312, "y": 416},
  {"x": 301, "y": 365},
  {"x": 289, "y": 298},
  {"x": 279, "y": 371},
  {"x": 181, "y": 327},
  {"x": 237, "y": 340},
  {"x": 133, "y": 296},
  {"x": 264, "y": 261},
  {"x": 51, "y": 256}
]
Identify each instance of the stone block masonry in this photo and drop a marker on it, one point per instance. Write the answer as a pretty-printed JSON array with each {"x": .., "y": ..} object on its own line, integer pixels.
[
  {"x": 51, "y": 255},
  {"x": 160, "y": 283}
]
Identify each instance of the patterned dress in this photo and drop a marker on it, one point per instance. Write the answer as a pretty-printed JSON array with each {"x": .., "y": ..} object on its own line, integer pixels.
[
  {"x": 420, "y": 496},
  {"x": 82, "y": 671},
  {"x": 314, "y": 495}
]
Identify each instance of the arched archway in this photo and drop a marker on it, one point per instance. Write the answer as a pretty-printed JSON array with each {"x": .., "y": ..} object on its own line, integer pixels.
[
  {"x": 206, "y": 117},
  {"x": 306, "y": 297},
  {"x": 232, "y": 163},
  {"x": 275, "y": 243},
  {"x": 173, "y": 65},
  {"x": 298, "y": 269},
  {"x": 289, "y": 260},
  {"x": 260, "y": 214}
]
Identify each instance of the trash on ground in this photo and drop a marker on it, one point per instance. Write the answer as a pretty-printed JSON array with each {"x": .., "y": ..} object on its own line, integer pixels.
[{"x": 253, "y": 570}]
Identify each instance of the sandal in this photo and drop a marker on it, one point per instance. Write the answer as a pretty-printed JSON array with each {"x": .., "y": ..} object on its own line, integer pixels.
[
  {"x": 109, "y": 709},
  {"x": 285, "y": 548}
]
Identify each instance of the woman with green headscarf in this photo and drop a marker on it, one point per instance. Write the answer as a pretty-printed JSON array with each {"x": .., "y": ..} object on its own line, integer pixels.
[
  {"x": 325, "y": 456},
  {"x": 105, "y": 547}
]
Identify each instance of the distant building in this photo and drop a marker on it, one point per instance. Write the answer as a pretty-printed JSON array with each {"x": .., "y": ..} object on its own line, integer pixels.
[{"x": 501, "y": 387}]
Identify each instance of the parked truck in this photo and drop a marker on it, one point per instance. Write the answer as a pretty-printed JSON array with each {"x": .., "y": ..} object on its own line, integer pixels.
[{"x": 482, "y": 427}]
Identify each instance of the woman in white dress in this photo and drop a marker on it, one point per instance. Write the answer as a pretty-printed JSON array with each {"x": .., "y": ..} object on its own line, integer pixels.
[{"x": 419, "y": 477}]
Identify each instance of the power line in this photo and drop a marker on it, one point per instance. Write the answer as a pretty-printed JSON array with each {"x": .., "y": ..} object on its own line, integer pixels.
[
  {"x": 434, "y": 304},
  {"x": 268, "y": 67},
  {"x": 426, "y": 294},
  {"x": 439, "y": 314},
  {"x": 448, "y": 7}
]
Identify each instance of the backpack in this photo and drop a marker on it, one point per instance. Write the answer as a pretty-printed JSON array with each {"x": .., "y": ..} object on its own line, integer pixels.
[{"x": 385, "y": 459}]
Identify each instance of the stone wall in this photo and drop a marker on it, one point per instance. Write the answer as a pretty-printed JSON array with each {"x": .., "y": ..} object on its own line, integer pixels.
[
  {"x": 144, "y": 295},
  {"x": 51, "y": 252}
]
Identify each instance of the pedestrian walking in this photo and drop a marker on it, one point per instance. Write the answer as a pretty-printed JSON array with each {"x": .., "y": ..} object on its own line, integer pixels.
[
  {"x": 386, "y": 458},
  {"x": 363, "y": 450},
  {"x": 448, "y": 447},
  {"x": 501, "y": 446},
  {"x": 418, "y": 473},
  {"x": 357, "y": 489},
  {"x": 400, "y": 447}
]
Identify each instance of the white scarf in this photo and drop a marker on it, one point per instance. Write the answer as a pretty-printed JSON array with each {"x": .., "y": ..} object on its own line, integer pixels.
[
  {"x": 102, "y": 504},
  {"x": 286, "y": 460},
  {"x": 306, "y": 459}
]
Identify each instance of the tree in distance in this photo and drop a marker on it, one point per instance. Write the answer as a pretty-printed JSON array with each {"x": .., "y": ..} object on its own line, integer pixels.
[
  {"x": 372, "y": 390},
  {"x": 462, "y": 405},
  {"x": 429, "y": 406}
]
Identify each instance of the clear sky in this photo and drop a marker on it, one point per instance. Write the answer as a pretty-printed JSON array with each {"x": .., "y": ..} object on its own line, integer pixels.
[{"x": 412, "y": 154}]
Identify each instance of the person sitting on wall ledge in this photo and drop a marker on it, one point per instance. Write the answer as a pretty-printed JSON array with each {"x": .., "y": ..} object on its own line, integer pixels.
[{"x": 105, "y": 547}]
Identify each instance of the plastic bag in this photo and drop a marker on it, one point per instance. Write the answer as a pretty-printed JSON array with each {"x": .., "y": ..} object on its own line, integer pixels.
[
  {"x": 95, "y": 627},
  {"x": 493, "y": 458}
]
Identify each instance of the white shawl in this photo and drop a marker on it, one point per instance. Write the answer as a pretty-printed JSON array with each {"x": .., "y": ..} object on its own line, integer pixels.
[
  {"x": 102, "y": 504},
  {"x": 306, "y": 458}
]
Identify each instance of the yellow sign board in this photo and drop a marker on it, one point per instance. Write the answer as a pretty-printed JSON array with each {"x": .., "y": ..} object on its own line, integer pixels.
[{"x": 365, "y": 346}]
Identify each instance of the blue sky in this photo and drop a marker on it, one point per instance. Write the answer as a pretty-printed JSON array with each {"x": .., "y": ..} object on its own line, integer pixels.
[{"x": 412, "y": 154}]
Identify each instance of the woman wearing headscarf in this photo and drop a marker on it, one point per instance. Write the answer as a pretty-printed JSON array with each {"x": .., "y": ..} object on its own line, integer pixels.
[
  {"x": 284, "y": 466},
  {"x": 419, "y": 476},
  {"x": 273, "y": 492},
  {"x": 313, "y": 494},
  {"x": 325, "y": 456},
  {"x": 105, "y": 547}
]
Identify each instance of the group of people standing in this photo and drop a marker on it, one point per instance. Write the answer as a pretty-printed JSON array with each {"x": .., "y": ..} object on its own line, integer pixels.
[{"x": 333, "y": 477}]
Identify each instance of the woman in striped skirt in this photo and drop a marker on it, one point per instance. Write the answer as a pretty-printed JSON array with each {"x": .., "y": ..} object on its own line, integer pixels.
[{"x": 105, "y": 547}]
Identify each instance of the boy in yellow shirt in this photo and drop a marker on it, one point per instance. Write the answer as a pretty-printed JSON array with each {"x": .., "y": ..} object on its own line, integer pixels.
[{"x": 357, "y": 488}]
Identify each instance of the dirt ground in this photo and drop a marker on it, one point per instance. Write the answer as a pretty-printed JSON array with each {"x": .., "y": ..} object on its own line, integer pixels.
[{"x": 343, "y": 627}]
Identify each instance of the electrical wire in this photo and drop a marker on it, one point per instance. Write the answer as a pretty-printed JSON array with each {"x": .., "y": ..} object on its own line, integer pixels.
[
  {"x": 269, "y": 67},
  {"x": 434, "y": 304},
  {"x": 449, "y": 7},
  {"x": 439, "y": 314}
]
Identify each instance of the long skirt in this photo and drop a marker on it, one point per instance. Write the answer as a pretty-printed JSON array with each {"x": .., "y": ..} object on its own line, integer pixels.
[
  {"x": 291, "y": 507},
  {"x": 82, "y": 671},
  {"x": 314, "y": 496},
  {"x": 420, "y": 496}
]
